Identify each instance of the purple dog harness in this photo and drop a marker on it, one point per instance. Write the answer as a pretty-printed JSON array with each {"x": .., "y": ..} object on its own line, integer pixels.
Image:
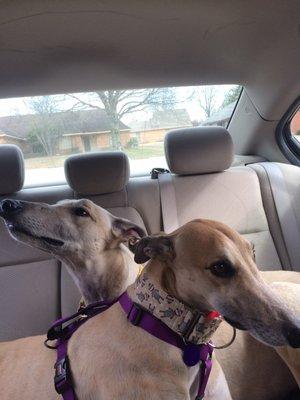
[{"x": 63, "y": 329}]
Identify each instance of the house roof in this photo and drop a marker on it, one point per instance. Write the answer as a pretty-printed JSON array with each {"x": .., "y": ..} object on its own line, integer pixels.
[
  {"x": 221, "y": 115},
  {"x": 163, "y": 119},
  {"x": 66, "y": 122}
]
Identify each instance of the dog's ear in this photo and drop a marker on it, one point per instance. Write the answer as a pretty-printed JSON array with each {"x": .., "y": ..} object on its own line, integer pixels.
[
  {"x": 154, "y": 247},
  {"x": 127, "y": 231}
]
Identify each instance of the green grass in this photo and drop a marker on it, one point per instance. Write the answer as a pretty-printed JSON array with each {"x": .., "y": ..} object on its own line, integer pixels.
[
  {"x": 45, "y": 162},
  {"x": 144, "y": 151}
]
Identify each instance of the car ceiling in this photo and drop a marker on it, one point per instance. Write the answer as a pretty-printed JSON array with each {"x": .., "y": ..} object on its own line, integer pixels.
[{"x": 72, "y": 46}]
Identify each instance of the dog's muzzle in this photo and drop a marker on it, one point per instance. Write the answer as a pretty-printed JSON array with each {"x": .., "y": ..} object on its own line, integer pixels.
[{"x": 10, "y": 207}]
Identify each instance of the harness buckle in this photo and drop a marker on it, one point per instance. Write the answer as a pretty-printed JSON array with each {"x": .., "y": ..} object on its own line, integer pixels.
[
  {"x": 135, "y": 314},
  {"x": 55, "y": 332},
  {"x": 62, "y": 378},
  {"x": 190, "y": 326}
]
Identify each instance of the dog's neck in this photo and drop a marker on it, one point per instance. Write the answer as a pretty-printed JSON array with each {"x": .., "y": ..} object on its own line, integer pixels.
[
  {"x": 193, "y": 325},
  {"x": 105, "y": 276}
]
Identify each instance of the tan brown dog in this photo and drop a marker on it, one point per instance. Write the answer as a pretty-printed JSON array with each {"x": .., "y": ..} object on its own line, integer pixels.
[
  {"x": 290, "y": 294},
  {"x": 268, "y": 377},
  {"x": 133, "y": 364}
]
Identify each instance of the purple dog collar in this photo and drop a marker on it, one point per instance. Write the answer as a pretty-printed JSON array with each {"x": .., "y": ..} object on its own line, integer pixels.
[
  {"x": 192, "y": 353},
  {"x": 63, "y": 329}
]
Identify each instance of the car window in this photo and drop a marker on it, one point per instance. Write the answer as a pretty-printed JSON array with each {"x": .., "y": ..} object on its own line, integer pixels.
[
  {"x": 50, "y": 128},
  {"x": 295, "y": 125},
  {"x": 288, "y": 133}
]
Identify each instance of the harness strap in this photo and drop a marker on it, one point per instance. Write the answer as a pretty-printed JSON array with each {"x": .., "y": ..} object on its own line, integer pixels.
[
  {"x": 192, "y": 353},
  {"x": 57, "y": 331},
  {"x": 63, "y": 378},
  {"x": 204, "y": 372}
]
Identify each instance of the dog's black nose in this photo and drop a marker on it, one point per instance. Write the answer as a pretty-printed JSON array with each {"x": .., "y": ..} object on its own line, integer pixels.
[
  {"x": 293, "y": 337},
  {"x": 9, "y": 207}
]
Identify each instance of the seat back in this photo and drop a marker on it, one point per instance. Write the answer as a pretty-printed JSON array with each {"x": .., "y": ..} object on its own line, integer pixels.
[{"x": 206, "y": 187}]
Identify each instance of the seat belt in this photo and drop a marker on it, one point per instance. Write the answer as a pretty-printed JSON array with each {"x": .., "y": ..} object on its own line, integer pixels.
[
  {"x": 168, "y": 202},
  {"x": 285, "y": 212}
]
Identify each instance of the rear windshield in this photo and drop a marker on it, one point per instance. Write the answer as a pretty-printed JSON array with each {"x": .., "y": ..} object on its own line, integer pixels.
[{"x": 50, "y": 128}]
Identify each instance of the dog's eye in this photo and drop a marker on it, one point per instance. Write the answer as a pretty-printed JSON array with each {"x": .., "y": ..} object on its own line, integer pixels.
[
  {"x": 222, "y": 269},
  {"x": 81, "y": 212}
]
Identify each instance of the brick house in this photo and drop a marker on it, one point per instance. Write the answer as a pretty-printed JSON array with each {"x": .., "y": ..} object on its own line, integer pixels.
[
  {"x": 12, "y": 132},
  {"x": 20, "y": 142},
  {"x": 88, "y": 130},
  {"x": 154, "y": 129},
  {"x": 76, "y": 131}
]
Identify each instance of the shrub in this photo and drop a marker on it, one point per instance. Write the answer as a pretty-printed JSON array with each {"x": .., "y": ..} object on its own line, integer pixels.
[{"x": 133, "y": 143}]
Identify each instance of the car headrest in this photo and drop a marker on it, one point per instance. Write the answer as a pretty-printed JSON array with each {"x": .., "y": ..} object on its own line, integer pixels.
[
  {"x": 11, "y": 169},
  {"x": 198, "y": 150},
  {"x": 97, "y": 173}
]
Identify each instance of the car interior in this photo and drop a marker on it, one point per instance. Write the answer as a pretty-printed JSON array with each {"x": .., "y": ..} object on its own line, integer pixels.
[{"x": 245, "y": 174}]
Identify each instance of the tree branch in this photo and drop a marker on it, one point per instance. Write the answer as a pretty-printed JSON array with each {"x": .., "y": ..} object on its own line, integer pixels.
[{"x": 83, "y": 102}]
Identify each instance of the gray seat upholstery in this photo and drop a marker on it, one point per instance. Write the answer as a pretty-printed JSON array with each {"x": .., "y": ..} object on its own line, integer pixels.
[
  {"x": 102, "y": 178},
  {"x": 232, "y": 196},
  {"x": 97, "y": 173},
  {"x": 280, "y": 185},
  {"x": 11, "y": 169},
  {"x": 196, "y": 151}
]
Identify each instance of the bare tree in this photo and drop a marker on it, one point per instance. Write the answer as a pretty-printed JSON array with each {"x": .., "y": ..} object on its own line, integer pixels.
[
  {"x": 208, "y": 100},
  {"x": 44, "y": 129},
  {"x": 118, "y": 103}
]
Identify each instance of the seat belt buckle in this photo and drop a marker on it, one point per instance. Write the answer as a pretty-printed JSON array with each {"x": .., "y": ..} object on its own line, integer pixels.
[{"x": 156, "y": 171}]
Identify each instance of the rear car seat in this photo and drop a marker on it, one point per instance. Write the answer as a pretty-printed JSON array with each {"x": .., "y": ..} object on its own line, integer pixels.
[{"x": 204, "y": 186}]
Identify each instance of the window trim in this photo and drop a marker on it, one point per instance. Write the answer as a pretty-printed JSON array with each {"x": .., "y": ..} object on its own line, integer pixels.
[
  {"x": 235, "y": 107},
  {"x": 289, "y": 146}
]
